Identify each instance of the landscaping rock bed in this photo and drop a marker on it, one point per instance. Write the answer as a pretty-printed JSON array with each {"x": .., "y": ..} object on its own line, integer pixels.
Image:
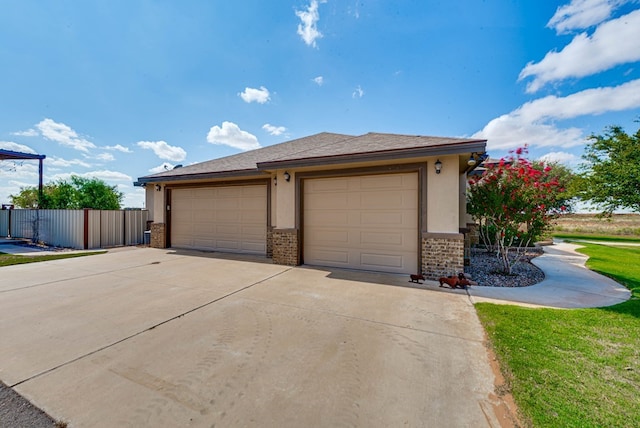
[{"x": 485, "y": 268}]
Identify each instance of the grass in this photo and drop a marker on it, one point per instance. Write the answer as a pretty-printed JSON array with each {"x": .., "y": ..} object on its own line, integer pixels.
[
  {"x": 574, "y": 368},
  {"x": 14, "y": 259},
  {"x": 596, "y": 237}
]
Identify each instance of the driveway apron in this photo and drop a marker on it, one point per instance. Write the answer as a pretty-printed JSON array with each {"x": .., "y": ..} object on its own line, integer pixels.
[{"x": 147, "y": 337}]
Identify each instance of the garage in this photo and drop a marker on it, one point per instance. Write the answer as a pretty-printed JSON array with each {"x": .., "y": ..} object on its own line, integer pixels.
[
  {"x": 367, "y": 222},
  {"x": 225, "y": 218}
]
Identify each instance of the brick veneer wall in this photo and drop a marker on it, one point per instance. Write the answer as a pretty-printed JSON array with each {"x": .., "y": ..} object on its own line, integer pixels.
[
  {"x": 158, "y": 237},
  {"x": 285, "y": 244},
  {"x": 442, "y": 254},
  {"x": 270, "y": 242}
]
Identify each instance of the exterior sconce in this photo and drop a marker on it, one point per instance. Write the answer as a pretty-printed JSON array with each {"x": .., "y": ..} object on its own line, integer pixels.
[
  {"x": 472, "y": 160},
  {"x": 275, "y": 181},
  {"x": 287, "y": 176},
  {"x": 438, "y": 166},
  {"x": 158, "y": 187}
]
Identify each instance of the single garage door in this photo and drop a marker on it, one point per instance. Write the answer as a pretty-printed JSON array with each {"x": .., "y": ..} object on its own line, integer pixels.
[
  {"x": 363, "y": 222},
  {"x": 230, "y": 218}
]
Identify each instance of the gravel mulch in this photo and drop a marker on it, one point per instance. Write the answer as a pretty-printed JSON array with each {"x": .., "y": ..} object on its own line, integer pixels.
[
  {"x": 485, "y": 266},
  {"x": 17, "y": 412}
]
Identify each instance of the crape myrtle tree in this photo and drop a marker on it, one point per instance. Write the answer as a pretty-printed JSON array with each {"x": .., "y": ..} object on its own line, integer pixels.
[
  {"x": 610, "y": 176},
  {"x": 513, "y": 203}
]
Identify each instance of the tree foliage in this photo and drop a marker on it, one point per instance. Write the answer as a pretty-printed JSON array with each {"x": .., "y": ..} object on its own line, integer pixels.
[
  {"x": 514, "y": 202},
  {"x": 77, "y": 193},
  {"x": 610, "y": 175}
]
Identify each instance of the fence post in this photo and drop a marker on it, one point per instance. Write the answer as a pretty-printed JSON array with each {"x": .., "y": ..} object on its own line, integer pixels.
[{"x": 86, "y": 228}]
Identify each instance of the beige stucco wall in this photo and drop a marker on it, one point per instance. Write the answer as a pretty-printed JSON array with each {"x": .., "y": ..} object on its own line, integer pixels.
[
  {"x": 148, "y": 200},
  {"x": 443, "y": 201},
  {"x": 158, "y": 203},
  {"x": 285, "y": 213}
]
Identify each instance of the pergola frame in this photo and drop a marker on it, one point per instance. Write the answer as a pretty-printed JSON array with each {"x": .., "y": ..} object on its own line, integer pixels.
[{"x": 11, "y": 155}]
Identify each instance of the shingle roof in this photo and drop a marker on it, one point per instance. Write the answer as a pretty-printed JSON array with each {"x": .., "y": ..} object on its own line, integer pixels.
[{"x": 323, "y": 147}]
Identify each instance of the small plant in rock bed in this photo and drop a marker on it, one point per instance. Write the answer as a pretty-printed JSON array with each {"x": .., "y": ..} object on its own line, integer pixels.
[{"x": 513, "y": 203}]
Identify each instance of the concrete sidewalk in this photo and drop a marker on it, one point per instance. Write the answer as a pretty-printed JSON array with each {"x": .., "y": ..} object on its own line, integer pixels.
[{"x": 567, "y": 284}]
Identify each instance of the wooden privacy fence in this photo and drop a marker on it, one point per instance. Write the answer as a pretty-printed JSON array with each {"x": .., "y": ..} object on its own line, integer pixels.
[{"x": 79, "y": 229}]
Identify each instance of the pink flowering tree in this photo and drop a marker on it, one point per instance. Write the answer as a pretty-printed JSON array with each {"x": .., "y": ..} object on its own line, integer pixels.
[{"x": 514, "y": 202}]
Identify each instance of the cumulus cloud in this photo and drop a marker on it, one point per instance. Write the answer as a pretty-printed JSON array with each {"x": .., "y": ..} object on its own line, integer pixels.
[
  {"x": 580, "y": 14},
  {"x": 164, "y": 150},
  {"x": 358, "y": 93},
  {"x": 15, "y": 147},
  {"x": 533, "y": 123},
  {"x": 274, "y": 130},
  {"x": 60, "y": 162},
  {"x": 105, "y": 157},
  {"x": 165, "y": 166},
  {"x": 105, "y": 175},
  {"x": 318, "y": 80},
  {"x": 308, "y": 29},
  {"x": 119, "y": 148},
  {"x": 565, "y": 158},
  {"x": 259, "y": 96},
  {"x": 64, "y": 135},
  {"x": 613, "y": 43},
  {"x": 27, "y": 133},
  {"x": 230, "y": 134}
]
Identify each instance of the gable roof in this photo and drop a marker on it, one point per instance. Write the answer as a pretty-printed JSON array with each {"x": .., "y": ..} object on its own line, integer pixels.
[{"x": 323, "y": 148}]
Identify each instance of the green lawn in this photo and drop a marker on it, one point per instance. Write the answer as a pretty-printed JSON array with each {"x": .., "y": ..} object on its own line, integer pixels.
[
  {"x": 596, "y": 237},
  {"x": 574, "y": 368},
  {"x": 14, "y": 259}
]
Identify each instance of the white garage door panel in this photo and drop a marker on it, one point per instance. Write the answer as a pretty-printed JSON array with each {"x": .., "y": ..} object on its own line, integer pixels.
[
  {"x": 230, "y": 218},
  {"x": 364, "y": 222}
]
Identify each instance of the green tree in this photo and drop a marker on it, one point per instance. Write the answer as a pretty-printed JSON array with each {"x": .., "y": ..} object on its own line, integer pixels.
[
  {"x": 77, "y": 193},
  {"x": 514, "y": 202},
  {"x": 610, "y": 176}
]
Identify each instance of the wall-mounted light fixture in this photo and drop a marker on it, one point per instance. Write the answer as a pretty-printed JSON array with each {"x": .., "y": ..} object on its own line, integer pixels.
[
  {"x": 158, "y": 187},
  {"x": 275, "y": 181},
  {"x": 438, "y": 166},
  {"x": 287, "y": 176},
  {"x": 472, "y": 160}
]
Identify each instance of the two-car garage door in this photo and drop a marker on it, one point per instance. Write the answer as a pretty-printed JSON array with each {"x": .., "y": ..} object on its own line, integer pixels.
[
  {"x": 363, "y": 222},
  {"x": 226, "y": 218}
]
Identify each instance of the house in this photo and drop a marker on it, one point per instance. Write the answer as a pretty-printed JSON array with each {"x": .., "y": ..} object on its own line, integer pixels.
[{"x": 378, "y": 202}]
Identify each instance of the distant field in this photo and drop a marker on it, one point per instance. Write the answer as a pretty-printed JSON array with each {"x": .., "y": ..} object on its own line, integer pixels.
[{"x": 618, "y": 224}]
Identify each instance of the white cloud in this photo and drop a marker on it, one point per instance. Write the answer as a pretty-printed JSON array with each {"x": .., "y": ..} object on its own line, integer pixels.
[
  {"x": 259, "y": 96},
  {"x": 358, "y": 93},
  {"x": 274, "y": 130},
  {"x": 318, "y": 80},
  {"x": 165, "y": 166},
  {"x": 533, "y": 122},
  {"x": 164, "y": 150},
  {"x": 613, "y": 43},
  {"x": 106, "y": 157},
  {"x": 119, "y": 148},
  {"x": 15, "y": 147},
  {"x": 308, "y": 29},
  {"x": 580, "y": 14},
  {"x": 564, "y": 158},
  {"x": 19, "y": 169},
  {"x": 63, "y": 134},
  {"x": 27, "y": 133},
  {"x": 231, "y": 135},
  {"x": 56, "y": 161},
  {"x": 105, "y": 175}
]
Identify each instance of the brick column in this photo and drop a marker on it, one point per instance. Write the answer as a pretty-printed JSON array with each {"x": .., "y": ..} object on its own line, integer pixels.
[
  {"x": 442, "y": 254},
  {"x": 270, "y": 242},
  {"x": 158, "y": 239},
  {"x": 285, "y": 244}
]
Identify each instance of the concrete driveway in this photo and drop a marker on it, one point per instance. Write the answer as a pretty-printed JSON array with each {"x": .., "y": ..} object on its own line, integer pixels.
[{"x": 147, "y": 337}]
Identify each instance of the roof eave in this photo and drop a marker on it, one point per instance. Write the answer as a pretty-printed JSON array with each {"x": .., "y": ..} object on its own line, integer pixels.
[
  {"x": 446, "y": 149},
  {"x": 200, "y": 176}
]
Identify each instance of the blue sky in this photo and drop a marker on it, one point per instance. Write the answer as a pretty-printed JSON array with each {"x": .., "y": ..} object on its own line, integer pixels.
[{"x": 120, "y": 89}]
